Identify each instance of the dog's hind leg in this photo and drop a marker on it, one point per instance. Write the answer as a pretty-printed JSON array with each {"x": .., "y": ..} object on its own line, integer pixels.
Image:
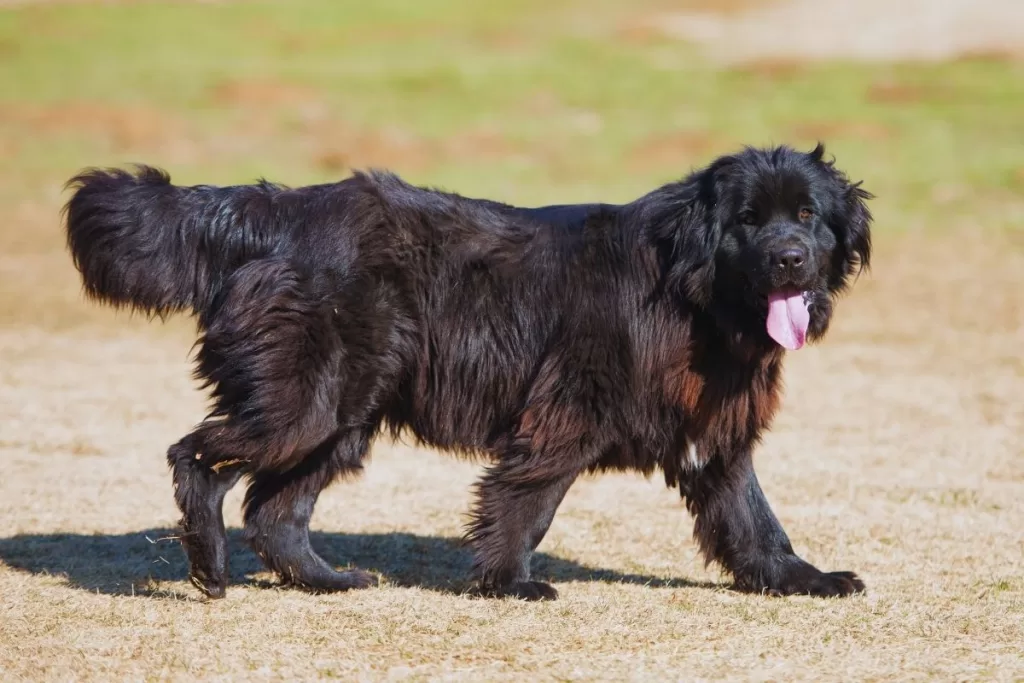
[
  {"x": 272, "y": 357},
  {"x": 278, "y": 508},
  {"x": 199, "y": 491}
]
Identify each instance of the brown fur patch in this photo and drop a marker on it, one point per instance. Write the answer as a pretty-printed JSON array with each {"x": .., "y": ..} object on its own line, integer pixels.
[{"x": 690, "y": 388}]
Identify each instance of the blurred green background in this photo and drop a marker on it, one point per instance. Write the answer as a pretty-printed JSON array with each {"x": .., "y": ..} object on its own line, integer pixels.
[{"x": 530, "y": 102}]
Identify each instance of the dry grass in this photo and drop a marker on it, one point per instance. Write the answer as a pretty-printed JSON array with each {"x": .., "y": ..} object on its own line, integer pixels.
[{"x": 897, "y": 454}]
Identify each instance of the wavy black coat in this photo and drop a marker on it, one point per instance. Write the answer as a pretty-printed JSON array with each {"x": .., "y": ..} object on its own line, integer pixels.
[{"x": 551, "y": 341}]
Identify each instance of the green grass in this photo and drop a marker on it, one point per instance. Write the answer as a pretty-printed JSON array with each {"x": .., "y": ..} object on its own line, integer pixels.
[{"x": 574, "y": 102}]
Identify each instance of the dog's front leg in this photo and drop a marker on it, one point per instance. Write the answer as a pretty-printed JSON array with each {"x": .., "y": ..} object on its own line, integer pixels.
[
  {"x": 735, "y": 526},
  {"x": 513, "y": 511}
]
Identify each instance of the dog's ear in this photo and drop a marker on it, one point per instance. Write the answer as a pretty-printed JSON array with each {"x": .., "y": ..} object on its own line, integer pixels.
[
  {"x": 851, "y": 221},
  {"x": 687, "y": 227},
  {"x": 857, "y": 228}
]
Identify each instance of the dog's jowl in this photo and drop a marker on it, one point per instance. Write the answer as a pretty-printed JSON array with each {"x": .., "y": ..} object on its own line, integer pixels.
[{"x": 553, "y": 341}]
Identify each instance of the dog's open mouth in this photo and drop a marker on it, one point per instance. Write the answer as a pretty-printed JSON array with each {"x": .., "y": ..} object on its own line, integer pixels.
[{"x": 788, "y": 317}]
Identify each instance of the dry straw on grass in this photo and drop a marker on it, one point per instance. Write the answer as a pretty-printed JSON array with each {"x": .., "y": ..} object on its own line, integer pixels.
[{"x": 897, "y": 454}]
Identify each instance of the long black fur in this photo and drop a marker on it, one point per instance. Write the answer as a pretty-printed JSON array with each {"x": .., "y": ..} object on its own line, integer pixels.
[{"x": 553, "y": 341}]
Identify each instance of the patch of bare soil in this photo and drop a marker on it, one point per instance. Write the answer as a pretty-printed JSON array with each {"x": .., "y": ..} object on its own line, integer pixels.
[
  {"x": 772, "y": 70},
  {"x": 264, "y": 110},
  {"x": 887, "y": 91},
  {"x": 336, "y": 145},
  {"x": 865, "y": 30},
  {"x": 124, "y": 127},
  {"x": 256, "y": 93},
  {"x": 673, "y": 150},
  {"x": 831, "y": 130},
  {"x": 643, "y": 30}
]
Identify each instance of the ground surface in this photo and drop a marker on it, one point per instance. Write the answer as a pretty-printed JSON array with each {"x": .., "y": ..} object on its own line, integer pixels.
[{"x": 897, "y": 454}]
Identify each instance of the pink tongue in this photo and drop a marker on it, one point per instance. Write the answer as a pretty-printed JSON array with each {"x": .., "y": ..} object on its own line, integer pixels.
[{"x": 788, "y": 318}]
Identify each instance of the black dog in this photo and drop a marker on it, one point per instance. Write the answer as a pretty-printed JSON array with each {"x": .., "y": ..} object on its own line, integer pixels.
[{"x": 555, "y": 341}]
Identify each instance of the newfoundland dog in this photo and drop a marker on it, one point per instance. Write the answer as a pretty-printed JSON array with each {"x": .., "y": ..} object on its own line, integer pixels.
[{"x": 553, "y": 341}]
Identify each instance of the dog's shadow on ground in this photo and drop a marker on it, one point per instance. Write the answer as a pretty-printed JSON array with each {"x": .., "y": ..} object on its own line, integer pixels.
[{"x": 138, "y": 563}]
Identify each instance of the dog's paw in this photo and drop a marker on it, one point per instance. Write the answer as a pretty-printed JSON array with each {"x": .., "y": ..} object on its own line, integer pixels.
[
  {"x": 796, "y": 577},
  {"x": 531, "y": 591},
  {"x": 357, "y": 579},
  {"x": 822, "y": 585},
  {"x": 214, "y": 588},
  {"x": 332, "y": 582},
  {"x": 208, "y": 575},
  {"x": 837, "y": 584}
]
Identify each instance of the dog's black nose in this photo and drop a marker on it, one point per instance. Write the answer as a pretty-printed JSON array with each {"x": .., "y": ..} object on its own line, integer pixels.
[{"x": 789, "y": 258}]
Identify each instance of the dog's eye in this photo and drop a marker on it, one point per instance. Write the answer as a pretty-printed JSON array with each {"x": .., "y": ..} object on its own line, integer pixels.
[
  {"x": 805, "y": 214},
  {"x": 748, "y": 218}
]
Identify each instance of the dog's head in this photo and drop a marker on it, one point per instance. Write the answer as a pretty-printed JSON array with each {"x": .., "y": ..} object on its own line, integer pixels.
[{"x": 770, "y": 236}]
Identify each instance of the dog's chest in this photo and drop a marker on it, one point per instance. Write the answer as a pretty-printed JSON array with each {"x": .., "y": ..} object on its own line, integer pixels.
[{"x": 725, "y": 406}]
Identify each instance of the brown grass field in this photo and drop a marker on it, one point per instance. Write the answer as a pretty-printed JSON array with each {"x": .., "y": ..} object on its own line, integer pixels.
[{"x": 898, "y": 452}]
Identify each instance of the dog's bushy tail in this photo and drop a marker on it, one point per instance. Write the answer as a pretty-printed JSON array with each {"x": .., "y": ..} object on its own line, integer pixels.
[{"x": 141, "y": 242}]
